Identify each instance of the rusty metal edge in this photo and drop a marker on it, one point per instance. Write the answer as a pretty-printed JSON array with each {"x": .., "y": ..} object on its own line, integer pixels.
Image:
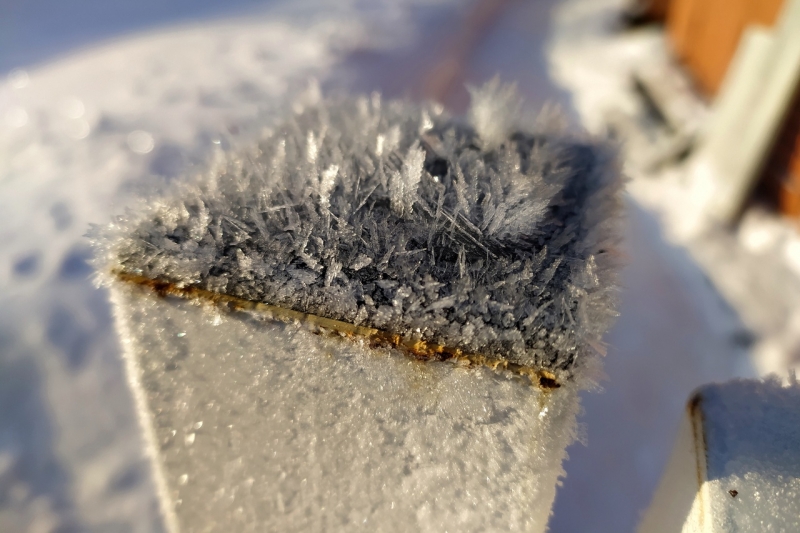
[
  {"x": 697, "y": 420},
  {"x": 415, "y": 348}
]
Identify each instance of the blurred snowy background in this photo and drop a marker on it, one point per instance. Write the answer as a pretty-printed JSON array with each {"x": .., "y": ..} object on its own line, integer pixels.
[{"x": 100, "y": 100}]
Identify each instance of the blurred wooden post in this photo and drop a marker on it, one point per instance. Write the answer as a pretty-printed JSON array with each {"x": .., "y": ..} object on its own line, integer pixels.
[
  {"x": 705, "y": 33},
  {"x": 748, "y": 116},
  {"x": 657, "y": 9}
]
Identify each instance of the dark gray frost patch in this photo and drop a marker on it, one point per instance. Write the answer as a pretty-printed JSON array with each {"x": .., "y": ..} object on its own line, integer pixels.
[{"x": 487, "y": 234}]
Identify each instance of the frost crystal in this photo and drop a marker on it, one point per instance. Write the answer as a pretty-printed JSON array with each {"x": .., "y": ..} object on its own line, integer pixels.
[{"x": 488, "y": 235}]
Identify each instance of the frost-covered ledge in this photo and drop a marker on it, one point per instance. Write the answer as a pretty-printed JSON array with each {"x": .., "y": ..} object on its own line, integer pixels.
[
  {"x": 736, "y": 463},
  {"x": 378, "y": 317}
]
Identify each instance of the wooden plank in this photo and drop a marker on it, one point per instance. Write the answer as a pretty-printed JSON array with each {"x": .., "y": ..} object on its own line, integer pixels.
[
  {"x": 706, "y": 33},
  {"x": 649, "y": 10},
  {"x": 680, "y": 17},
  {"x": 712, "y": 47},
  {"x": 789, "y": 175},
  {"x": 764, "y": 12},
  {"x": 748, "y": 115}
]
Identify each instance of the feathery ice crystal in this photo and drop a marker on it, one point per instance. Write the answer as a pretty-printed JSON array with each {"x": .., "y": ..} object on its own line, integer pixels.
[{"x": 492, "y": 234}]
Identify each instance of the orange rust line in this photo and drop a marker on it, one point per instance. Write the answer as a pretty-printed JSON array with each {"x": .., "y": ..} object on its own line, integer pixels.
[{"x": 416, "y": 348}]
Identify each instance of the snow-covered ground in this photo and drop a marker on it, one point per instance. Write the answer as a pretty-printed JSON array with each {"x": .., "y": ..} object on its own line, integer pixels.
[{"x": 129, "y": 102}]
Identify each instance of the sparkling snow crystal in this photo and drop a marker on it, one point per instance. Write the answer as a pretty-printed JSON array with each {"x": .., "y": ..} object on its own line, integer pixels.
[{"x": 490, "y": 236}]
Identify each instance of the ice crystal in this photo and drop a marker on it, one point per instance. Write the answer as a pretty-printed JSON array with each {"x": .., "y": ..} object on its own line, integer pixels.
[{"x": 488, "y": 234}]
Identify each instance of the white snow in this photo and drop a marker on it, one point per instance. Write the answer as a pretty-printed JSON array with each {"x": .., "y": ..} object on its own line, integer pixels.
[
  {"x": 735, "y": 466},
  {"x": 751, "y": 435}
]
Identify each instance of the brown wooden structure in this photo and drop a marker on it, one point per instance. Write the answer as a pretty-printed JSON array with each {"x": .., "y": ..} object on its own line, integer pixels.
[
  {"x": 704, "y": 35},
  {"x": 780, "y": 180}
]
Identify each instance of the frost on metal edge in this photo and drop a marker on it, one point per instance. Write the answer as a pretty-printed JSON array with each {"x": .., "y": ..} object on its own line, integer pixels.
[{"x": 492, "y": 235}]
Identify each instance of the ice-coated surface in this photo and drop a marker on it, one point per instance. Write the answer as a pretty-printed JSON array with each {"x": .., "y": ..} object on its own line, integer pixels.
[
  {"x": 752, "y": 438},
  {"x": 735, "y": 467},
  {"x": 496, "y": 236},
  {"x": 263, "y": 426}
]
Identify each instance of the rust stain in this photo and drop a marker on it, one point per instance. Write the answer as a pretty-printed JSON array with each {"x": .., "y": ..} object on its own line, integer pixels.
[{"x": 415, "y": 348}]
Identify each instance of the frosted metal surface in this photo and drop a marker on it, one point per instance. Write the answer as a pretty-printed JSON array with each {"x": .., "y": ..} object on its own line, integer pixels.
[
  {"x": 264, "y": 426},
  {"x": 736, "y": 463},
  {"x": 752, "y": 440}
]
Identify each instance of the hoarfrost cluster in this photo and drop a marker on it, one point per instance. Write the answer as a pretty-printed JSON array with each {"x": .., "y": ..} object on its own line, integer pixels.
[{"x": 493, "y": 234}]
